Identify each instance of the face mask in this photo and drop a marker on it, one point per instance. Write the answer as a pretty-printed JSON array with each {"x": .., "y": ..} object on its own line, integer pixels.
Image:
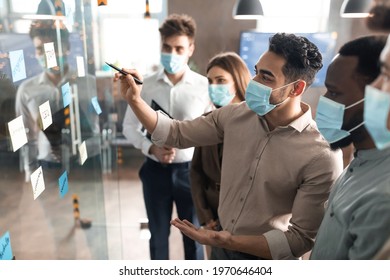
[
  {"x": 376, "y": 110},
  {"x": 220, "y": 94},
  {"x": 62, "y": 60},
  {"x": 257, "y": 97},
  {"x": 329, "y": 119},
  {"x": 173, "y": 63},
  {"x": 41, "y": 61}
]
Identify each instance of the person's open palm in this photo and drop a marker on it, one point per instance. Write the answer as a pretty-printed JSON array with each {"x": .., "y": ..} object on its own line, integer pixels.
[{"x": 201, "y": 235}]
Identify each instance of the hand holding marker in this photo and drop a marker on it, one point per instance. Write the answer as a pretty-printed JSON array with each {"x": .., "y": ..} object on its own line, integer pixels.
[{"x": 137, "y": 81}]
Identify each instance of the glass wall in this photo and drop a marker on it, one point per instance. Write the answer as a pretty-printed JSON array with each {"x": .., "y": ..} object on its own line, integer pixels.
[
  {"x": 67, "y": 174},
  {"x": 51, "y": 187}
]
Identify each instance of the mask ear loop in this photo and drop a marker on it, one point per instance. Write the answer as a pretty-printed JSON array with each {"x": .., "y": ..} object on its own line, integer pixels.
[
  {"x": 356, "y": 103},
  {"x": 359, "y": 125},
  {"x": 280, "y": 103},
  {"x": 285, "y": 85},
  {"x": 356, "y": 127}
]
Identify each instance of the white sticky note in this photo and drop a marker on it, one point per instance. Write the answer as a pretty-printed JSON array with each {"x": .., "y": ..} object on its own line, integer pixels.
[
  {"x": 50, "y": 55},
  {"x": 18, "y": 67},
  {"x": 37, "y": 182},
  {"x": 17, "y": 133},
  {"x": 80, "y": 66},
  {"x": 96, "y": 105},
  {"x": 46, "y": 117},
  {"x": 83, "y": 152}
]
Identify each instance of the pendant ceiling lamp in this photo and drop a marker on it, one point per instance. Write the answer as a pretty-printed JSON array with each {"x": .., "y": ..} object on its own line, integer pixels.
[
  {"x": 247, "y": 9},
  {"x": 355, "y": 8}
]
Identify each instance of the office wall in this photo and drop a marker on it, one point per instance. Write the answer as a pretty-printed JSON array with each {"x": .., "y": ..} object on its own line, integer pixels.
[{"x": 216, "y": 29}]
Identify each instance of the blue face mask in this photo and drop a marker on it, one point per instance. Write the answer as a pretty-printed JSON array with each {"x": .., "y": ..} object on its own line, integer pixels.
[
  {"x": 173, "y": 63},
  {"x": 42, "y": 61},
  {"x": 220, "y": 94},
  {"x": 329, "y": 119},
  {"x": 257, "y": 97},
  {"x": 62, "y": 61},
  {"x": 376, "y": 110}
]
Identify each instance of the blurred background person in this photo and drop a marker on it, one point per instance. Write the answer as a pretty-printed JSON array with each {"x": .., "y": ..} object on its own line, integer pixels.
[
  {"x": 379, "y": 16},
  {"x": 52, "y": 147}
]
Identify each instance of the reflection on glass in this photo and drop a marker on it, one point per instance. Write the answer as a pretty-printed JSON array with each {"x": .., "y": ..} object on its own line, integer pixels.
[{"x": 45, "y": 82}]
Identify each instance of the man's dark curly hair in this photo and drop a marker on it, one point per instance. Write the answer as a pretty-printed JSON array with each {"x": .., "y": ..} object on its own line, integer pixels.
[{"x": 303, "y": 59}]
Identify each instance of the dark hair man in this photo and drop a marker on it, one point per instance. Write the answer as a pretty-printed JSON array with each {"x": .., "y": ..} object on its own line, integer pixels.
[{"x": 277, "y": 170}]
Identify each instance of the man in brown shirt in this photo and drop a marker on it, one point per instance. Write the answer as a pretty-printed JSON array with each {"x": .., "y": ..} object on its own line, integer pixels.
[{"x": 277, "y": 169}]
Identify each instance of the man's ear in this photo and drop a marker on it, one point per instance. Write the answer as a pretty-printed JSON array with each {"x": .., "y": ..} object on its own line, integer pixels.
[
  {"x": 191, "y": 49},
  {"x": 299, "y": 88}
]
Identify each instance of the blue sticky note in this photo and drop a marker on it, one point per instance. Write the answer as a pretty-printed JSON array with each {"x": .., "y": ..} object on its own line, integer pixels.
[
  {"x": 18, "y": 67},
  {"x": 96, "y": 105},
  {"x": 63, "y": 184},
  {"x": 5, "y": 247},
  {"x": 66, "y": 96}
]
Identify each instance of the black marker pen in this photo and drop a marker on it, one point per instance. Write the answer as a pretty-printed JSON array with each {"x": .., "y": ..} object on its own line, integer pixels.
[{"x": 137, "y": 81}]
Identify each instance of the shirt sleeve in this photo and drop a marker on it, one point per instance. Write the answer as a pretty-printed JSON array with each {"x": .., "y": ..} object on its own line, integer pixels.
[
  {"x": 320, "y": 175},
  {"x": 29, "y": 151},
  {"x": 201, "y": 131},
  {"x": 370, "y": 226},
  {"x": 135, "y": 133}
]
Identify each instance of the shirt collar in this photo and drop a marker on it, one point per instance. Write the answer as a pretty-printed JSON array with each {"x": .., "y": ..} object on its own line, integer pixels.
[
  {"x": 44, "y": 79},
  {"x": 303, "y": 121},
  {"x": 372, "y": 154}
]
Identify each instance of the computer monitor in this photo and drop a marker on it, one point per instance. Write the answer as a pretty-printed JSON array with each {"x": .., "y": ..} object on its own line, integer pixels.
[{"x": 255, "y": 43}]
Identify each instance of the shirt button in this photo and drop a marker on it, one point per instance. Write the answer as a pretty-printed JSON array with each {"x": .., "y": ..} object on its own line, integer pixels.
[
  {"x": 241, "y": 199},
  {"x": 250, "y": 178},
  {"x": 331, "y": 214},
  {"x": 232, "y": 221},
  {"x": 351, "y": 169}
]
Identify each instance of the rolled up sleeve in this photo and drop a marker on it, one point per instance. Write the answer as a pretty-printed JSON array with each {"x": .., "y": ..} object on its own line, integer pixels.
[{"x": 161, "y": 132}]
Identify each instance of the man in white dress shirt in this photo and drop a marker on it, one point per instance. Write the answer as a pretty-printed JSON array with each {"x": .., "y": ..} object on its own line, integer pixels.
[{"x": 183, "y": 95}]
